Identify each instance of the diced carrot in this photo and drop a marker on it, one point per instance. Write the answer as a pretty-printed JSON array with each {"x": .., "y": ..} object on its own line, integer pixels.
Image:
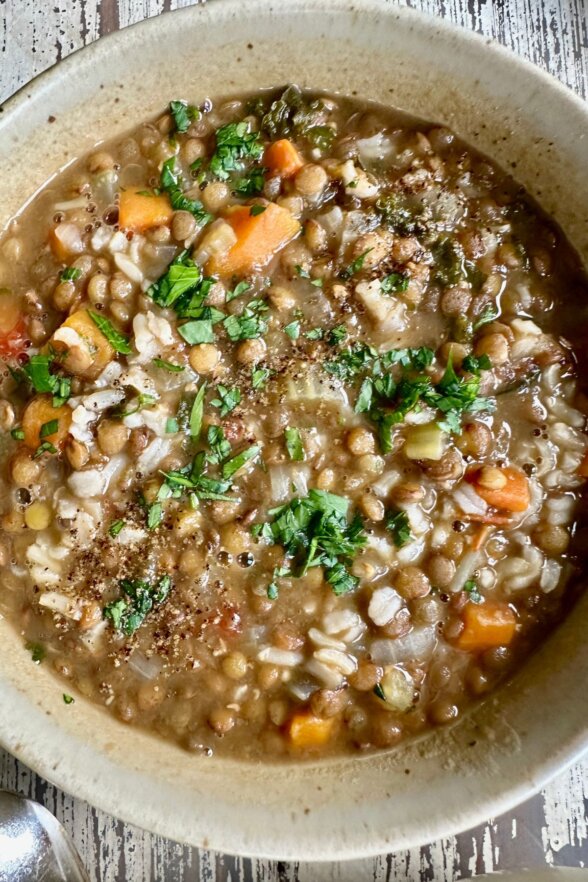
[
  {"x": 13, "y": 330},
  {"x": 305, "y": 730},
  {"x": 282, "y": 158},
  {"x": 259, "y": 237},
  {"x": 138, "y": 210},
  {"x": 583, "y": 469},
  {"x": 513, "y": 496},
  {"x": 65, "y": 240},
  {"x": 40, "y": 412},
  {"x": 86, "y": 351},
  {"x": 486, "y": 625}
]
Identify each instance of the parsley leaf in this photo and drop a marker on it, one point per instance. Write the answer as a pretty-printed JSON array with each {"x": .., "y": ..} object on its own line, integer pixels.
[
  {"x": 17, "y": 434},
  {"x": 183, "y": 114},
  {"x": 197, "y": 331},
  {"x": 37, "y": 651},
  {"x": 234, "y": 143},
  {"x": 336, "y": 335},
  {"x": 197, "y": 413},
  {"x": 228, "y": 399},
  {"x": 219, "y": 446},
  {"x": 118, "y": 341},
  {"x": 70, "y": 274},
  {"x": 250, "y": 324},
  {"x": 471, "y": 588},
  {"x": 315, "y": 334},
  {"x": 320, "y": 136},
  {"x": 68, "y": 699},
  {"x": 139, "y": 598},
  {"x": 251, "y": 184},
  {"x": 168, "y": 366},
  {"x": 294, "y": 444},
  {"x": 315, "y": 531},
  {"x": 449, "y": 261},
  {"x": 259, "y": 377},
  {"x": 115, "y": 528},
  {"x": 45, "y": 447},
  {"x": 240, "y": 288},
  {"x": 257, "y": 209},
  {"x": 488, "y": 314},
  {"x": 154, "y": 515},
  {"x": 237, "y": 462},
  {"x": 49, "y": 428},
  {"x": 292, "y": 330},
  {"x": 170, "y": 182},
  {"x": 182, "y": 286},
  {"x": 394, "y": 282},
  {"x": 398, "y": 524},
  {"x": 355, "y": 266}
]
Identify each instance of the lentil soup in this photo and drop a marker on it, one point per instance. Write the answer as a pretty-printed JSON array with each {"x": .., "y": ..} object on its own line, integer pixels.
[{"x": 292, "y": 425}]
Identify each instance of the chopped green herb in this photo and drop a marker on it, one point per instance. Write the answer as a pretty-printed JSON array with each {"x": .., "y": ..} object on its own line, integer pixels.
[
  {"x": 237, "y": 462},
  {"x": 234, "y": 143},
  {"x": 192, "y": 478},
  {"x": 168, "y": 366},
  {"x": 197, "y": 331},
  {"x": 250, "y": 324},
  {"x": 355, "y": 266},
  {"x": 292, "y": 330},
  {"x": 294, "y": 444},
  {"x": 257, "y": 209},
  {"x": 154, "y": 515},
  {"x": 49, "y": 428},
  {"x": 17, "y": 434},
  {"x": 489, "y": 314},
  {"x": 259, "y": 377},
  {"x": 379, "y": 692},
  {"x": 70, "y": 274},
  {"x": 239, "y": 289},
  {"x": 300, "y": 271},
  {"x": 476, "y": 363},
  {"x": 398, "y": 215},
  {"x": 471, "y": 588},
  {"x": 172, "y": 426},
  {"x": 320, "y": 136},
  {"x": 315, "y": 531},
  {"x": 45, "y": 447},
  {"x": 115, "y": 528},
  {"x": 251, "y": 184},
  {"x": 336, "y": 335},
  {"x": 139, "y": 598},
  {"x": 315, "y": 334},
  {"x": 140, "y": 402},
  {"x": 219, "y": 446},
  {"x": 449, "y": 261},
  {"x": 118, "y": 341},
  {"x": 228, "y": 399},
  {"x": 183, "y": 114},
  {"x": 182, "y": 287},
  {"x": 170, "y": 182},
  {"x": 292, "y": 114},
  {"x": 197, "y": 413},
  {"x": 399, "y": 525},
  {"x": 68, "y": 699},
  {"x": 37, "y": 372},
  {"x": 394, "y": 282},
  {"x": 37, "y": 651}
]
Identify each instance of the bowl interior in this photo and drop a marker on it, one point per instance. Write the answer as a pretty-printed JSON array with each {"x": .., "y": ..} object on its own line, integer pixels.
[{"x": 503, "y": 749}]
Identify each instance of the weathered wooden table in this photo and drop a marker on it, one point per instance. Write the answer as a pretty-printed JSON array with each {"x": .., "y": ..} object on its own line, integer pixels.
[{"x": 552, "y": 828}]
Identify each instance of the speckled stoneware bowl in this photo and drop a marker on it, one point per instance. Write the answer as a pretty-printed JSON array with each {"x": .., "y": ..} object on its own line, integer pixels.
[{"x": 504, "y": 750}]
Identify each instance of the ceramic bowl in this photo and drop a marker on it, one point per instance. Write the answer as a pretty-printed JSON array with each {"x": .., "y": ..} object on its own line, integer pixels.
[{"x": 503, "y": 750}]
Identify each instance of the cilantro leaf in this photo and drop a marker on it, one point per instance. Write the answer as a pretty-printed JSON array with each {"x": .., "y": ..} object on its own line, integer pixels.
[
  {"x": 219, "y": 446},
  {"x": 250, "y": 324},
  {"x": 197, "y": 412},
  {"x": 118, "y": 341},
  {"x": 228, "y": 399},
  {"x": 170, "y": 183},
  {"x": 168, "y": 366},
  {"x": 197, "y": 331},
  {"x": 292, "y": 330},
  {"x": 399, "y": 525},
  {"x": 471, "y": 588},
  {"x": 240, "y": 288},
  {"x": 183, "y": 114},
  {"x": 68, "y": 699},
  {"x": 393, "y": 283},
  {"x": 294, "y": 444},
  {"x": 355, "y": 266},
  {"x": 237, "y": 462},
  {"x": 251, "y": 184},
  {"x": 115, "y": 528},
  {"x": 37, "y": 651},
  {"x": 139, "y": 597},
  {"x": 70, "y": 274},
  {"x": 257, "y": 209},
  {"x": 234, "y": 143},
  {"x": 259, "y": 377}
]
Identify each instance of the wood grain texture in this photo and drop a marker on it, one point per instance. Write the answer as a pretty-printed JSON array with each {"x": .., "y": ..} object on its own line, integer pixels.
[{"x": 551, "y": 828}]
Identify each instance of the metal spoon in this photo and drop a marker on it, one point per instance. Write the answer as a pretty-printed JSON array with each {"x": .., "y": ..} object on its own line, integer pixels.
[{"x": 34, "y": 847}]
